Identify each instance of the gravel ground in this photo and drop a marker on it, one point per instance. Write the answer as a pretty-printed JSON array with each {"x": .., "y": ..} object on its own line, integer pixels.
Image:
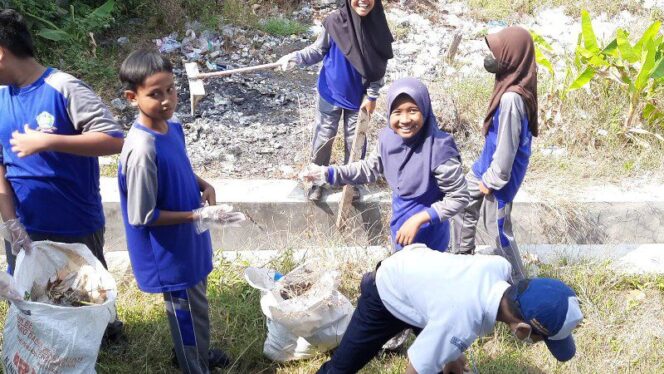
[{"x": 259, "y": 125}]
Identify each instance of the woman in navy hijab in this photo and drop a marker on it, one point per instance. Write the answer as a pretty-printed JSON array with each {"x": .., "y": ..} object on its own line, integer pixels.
[
  {"x": 421, "y": 164},
  {"x": 354, "y": 46}
]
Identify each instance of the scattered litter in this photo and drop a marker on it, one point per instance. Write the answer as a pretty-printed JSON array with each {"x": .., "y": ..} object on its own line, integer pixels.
[
  {"x": 119, "y": 104},
  {"x": 123, "y": 40},
  {"x": 496, "y": 25},
  {"x": 211, "y": 66},
  {"x": 168, "y": 44},
  {"x": 554, "y": 151}
]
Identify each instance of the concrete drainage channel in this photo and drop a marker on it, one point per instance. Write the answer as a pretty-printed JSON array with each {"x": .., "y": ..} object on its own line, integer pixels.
[{"x": 602, "y": 224}]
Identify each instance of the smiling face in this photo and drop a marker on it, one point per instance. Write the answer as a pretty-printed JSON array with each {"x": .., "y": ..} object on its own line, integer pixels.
[
  {"x": 156, "y": 98},
  {"x": 406, "y": 119},
  {"x": 362, "y": 7}
]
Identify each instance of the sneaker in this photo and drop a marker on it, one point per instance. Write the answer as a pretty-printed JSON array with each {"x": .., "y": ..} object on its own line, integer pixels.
[
  {"x": 218, "y": 359},
  {"x": 114, "y": 335},
  {"x": 315, "y": 193},
  {"x": 356, "y": 194}
]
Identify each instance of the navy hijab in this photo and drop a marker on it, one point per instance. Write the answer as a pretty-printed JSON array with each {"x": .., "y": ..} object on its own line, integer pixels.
[
  {"x": 408, "y": 164},
  {"x": 365, "y": 41}
]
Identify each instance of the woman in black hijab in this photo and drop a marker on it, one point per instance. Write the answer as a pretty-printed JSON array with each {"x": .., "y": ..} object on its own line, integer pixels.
[{"x": 354, "y": 46}]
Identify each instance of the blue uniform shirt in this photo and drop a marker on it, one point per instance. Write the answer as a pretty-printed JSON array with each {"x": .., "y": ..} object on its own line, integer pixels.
[
  {"x": 155, "y": 174},
  {"x": 435, "y": 234},
  {"x": 519, "y": 167},
  {"x": 55, "y": 193},
  {"x": 339, "y": 83}
]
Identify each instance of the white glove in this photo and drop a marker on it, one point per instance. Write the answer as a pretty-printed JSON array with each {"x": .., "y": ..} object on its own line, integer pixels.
[
  {"x": 14, "y": 232},
  {"x": 314, "y": 174},
  {"x": 8, "y": 287},
  {"x": 287, "y": 62},
  {"x": 221, "y": 215}
]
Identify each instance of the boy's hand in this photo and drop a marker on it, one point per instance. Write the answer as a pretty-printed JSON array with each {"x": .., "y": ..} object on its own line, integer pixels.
[
  {"x": 457, "y": 366},
  {"x": 222, "y": 215},
  {"x": 30, "y": 142},
  {"x": 484, "y": 189},
  {"x": 14, "y": 232},
  {"x": 410, "y": 228},
  {"x": 208, "y": 195},
  {"x": 368, "y": 105}
]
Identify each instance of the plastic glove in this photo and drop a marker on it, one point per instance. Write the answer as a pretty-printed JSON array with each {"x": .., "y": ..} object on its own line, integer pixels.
[
  {"x": 221, "y": 215},
  {"x": 314, "y": 174},
  {"x": 14, "y": 232},
  {"x": 287, "y": 62},
  {"x": 8, "y": 287}
]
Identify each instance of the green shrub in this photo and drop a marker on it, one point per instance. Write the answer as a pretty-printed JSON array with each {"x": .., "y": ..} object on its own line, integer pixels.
[
  {"x": 637, "y": 68},
  {"x": 282, "y": 27}
]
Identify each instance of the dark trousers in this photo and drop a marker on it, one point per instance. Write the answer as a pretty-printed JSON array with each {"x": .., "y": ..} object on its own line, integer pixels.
[
  {"x": 370, "y": 328},
  {"x": 94, "y": 241}
]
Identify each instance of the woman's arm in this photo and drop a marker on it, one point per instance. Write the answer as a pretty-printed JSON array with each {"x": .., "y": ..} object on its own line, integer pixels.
[
  {"x": 359, "y": 172},
  {"x": 512, "y": 112},
  {"x": 452, "y": 182},
  {"x": 314, "y": 53}
]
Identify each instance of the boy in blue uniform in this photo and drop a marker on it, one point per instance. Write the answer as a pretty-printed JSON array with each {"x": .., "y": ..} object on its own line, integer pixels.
[
  {"x": 355, "y": 45},
  {"x": 52, "y": 128},
  {"x": 161, "y": 199}
]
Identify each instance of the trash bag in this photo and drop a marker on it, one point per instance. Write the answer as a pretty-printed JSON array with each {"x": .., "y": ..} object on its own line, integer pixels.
[
  {"x": 306, "y": 314},
  {"x": 42, "y": 337}
]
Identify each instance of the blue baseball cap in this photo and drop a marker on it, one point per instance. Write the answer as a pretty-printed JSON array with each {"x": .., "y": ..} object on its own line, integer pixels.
[{"x": 552, "y": 309}]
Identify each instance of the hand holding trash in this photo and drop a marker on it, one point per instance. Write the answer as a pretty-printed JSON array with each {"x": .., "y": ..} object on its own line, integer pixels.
[
  {"x": 315, "y": 174},
  {"x": 287, "y": 62},
  {"x": 222, "y": 215},
  {"x": 14, "y": 232}
]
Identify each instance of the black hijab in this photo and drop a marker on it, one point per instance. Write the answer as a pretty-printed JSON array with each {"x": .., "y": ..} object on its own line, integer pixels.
[{"x": 365, "y": 41}]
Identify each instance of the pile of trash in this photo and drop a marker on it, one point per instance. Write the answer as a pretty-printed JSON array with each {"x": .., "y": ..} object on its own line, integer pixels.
[
  {"x": 70, "y": 287},
  {"x": 61, "y": 300},
  {"x": 305, "y": 312}
]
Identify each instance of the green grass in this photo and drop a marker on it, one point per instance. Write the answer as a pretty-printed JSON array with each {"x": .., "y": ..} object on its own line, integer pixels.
[
  {"x": 282, "y": 27},
  {"x": 589, "y": 128},
  {"x": 623, "y": 329}
]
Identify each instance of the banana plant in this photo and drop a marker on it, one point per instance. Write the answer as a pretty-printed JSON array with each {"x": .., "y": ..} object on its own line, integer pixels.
[
  {"x": 542, "y": 49},
  {"x": 638, "y": 68},
  {"x": 69, "y": 27}
]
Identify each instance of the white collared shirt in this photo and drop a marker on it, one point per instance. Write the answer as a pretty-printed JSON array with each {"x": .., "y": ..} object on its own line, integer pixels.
[{"x": 453, "y": 298}]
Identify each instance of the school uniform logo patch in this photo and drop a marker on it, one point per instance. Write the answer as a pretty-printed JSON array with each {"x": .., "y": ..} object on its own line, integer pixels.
[
  {"x": 459, "y": 343},
  {"x": 45, "y": 122}
]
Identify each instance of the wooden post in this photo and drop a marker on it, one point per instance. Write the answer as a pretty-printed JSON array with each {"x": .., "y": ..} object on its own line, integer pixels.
[
  {"x": 355, "y": 154},
  {"x": 454, "y": 47}
]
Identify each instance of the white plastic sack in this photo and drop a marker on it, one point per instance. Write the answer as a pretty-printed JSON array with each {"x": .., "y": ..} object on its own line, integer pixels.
[
  {"x": 46, "y": 338},
  {"x": 308, "y": 323}
]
